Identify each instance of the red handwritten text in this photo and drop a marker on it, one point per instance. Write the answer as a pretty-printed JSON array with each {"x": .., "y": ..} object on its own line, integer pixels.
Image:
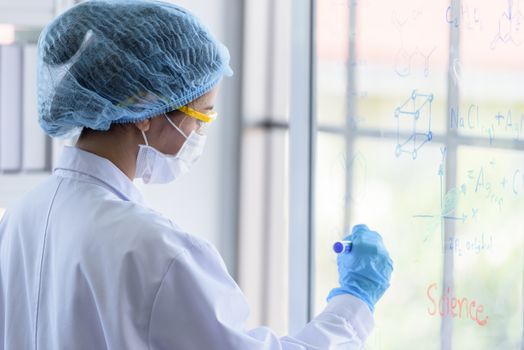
[{"x": 449, "y": 304}]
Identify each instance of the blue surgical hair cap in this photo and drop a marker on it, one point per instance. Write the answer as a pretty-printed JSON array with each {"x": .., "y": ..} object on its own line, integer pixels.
[{"x": 122, "y": 61}]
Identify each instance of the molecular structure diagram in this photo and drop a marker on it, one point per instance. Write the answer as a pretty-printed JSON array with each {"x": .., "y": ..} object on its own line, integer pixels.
[
  {"x": 408, "y": 57},
  {"x": 404, "y": 61},
  {"x": 510, "y": 26},
  {"x": 417, "y": 110}
]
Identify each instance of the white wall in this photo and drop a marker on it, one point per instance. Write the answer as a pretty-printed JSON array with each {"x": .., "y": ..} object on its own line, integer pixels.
[{"x": 26, "y": 12}]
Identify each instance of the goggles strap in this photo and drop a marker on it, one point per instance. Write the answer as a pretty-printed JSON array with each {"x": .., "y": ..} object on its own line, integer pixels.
[{"x": 176, "y": 127}]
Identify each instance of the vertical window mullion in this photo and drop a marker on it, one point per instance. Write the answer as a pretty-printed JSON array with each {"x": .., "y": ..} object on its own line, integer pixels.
[
  {"x": 301, "y": 151},
  {"x": 351, "y": 89},
  {"x": 448, "y": 226}
]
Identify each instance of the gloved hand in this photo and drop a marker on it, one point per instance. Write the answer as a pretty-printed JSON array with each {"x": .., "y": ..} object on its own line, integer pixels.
[{"x": 365, "y": 271}]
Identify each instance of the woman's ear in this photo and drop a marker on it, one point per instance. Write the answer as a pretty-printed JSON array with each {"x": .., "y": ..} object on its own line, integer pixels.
[{"x": 143, "y": 125}]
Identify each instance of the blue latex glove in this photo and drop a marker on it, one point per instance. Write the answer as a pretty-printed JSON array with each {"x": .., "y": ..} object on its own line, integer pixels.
[{"x": 365, "y": 271}]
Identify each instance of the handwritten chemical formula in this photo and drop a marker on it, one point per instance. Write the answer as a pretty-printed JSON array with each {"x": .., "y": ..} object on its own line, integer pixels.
[
  {"x": 468, "y": 15},
  {"x": 507, "y": 122},
  {"x": 464, "y": 246}
]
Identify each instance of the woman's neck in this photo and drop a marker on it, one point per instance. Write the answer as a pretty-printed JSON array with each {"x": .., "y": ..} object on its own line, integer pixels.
[{"x": 118, "y": 146}]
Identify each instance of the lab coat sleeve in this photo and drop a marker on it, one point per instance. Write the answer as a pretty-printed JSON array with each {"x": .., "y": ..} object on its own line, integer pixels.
[{"x": 199, "y": 306}]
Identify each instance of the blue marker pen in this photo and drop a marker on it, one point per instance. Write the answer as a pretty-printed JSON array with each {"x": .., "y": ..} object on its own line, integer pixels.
[{"x": 342, "y": 247}]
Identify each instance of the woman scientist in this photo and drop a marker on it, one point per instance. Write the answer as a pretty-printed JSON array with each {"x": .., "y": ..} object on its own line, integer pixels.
[{"x": 84, "y": 264}]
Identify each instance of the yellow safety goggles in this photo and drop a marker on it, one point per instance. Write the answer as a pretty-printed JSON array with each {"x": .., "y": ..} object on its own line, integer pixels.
[{"x": 205, "y": 117}]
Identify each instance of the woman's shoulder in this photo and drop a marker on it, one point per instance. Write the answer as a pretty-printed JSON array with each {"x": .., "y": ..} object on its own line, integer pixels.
[{"x": 145, "y": 228}]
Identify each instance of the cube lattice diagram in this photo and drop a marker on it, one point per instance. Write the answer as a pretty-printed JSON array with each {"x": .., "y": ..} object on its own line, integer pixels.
[{"x": 416, "y": 111}]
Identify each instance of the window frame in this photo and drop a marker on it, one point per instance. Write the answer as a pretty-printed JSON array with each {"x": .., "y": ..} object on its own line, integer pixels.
[
  {"x": 302, "y": 150},
  {"x": 303, "y": 133}
]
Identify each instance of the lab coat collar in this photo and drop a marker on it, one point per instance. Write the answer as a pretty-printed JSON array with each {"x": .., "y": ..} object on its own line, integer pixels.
[{"x": 80, "y": 164}]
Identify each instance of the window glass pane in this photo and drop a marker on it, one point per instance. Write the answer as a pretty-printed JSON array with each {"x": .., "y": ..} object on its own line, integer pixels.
[
  {"x": 373, "y": 57},
  {"x": 266, "y": 61},
  {"x": 263, "y": 233},
  {"x": 450, "y": 213},
  {"x": 332, "y": 55},
  {"x": 490, "y": 72},
  {"x": 487, "y": 246},
  {"x": 401, "y": 46},
  {"x": 387, "y": 194},
  {"x": 329, "y": 212}
]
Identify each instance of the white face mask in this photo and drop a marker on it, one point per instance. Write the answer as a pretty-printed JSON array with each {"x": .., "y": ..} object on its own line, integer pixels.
[{"x": 155, "y": 167}]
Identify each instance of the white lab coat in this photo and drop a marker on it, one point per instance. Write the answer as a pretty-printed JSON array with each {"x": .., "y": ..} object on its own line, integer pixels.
[{"x": 84, "y": 264}]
